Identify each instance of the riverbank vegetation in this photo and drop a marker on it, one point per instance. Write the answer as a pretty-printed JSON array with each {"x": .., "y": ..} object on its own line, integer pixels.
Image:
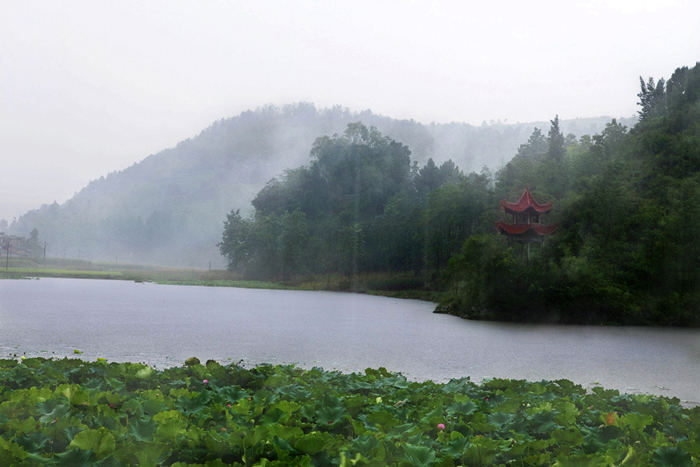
[
  {"x": 627, "y": 204},
  {"x": 75, "y": 413},
  {"x": 377, "y": 283}
]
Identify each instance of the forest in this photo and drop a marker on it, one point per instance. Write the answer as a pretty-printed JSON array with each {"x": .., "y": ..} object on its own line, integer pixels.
[
  {"x": 168, "y": 208},
  {"x": 626, "y": 202}
]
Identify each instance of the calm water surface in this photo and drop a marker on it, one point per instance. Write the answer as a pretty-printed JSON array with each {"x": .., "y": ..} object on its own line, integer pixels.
[{"x": 163, "y": 325}]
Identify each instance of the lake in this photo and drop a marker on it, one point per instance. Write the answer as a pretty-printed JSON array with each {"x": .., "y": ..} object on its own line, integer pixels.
[{"x": 163, "y": 325}]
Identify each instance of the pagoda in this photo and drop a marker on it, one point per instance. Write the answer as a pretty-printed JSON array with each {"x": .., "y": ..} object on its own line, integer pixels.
[{"x": 526, "y": 227}]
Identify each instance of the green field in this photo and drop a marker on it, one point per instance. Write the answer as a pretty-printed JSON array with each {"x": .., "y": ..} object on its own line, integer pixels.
[{"x": 75, "y": 413}]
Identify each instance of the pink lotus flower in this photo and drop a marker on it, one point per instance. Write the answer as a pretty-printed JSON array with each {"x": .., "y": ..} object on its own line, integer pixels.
[{"x": 441, "y": 426}]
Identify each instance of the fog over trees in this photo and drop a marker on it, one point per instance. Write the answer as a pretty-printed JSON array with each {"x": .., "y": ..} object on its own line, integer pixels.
[
  {"x": 622, "y": 208},
  {"x": 169, "y": 208}
]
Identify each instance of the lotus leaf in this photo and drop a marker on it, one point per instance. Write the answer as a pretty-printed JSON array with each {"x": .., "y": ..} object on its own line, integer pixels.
[
  {"x": 71, "y": 412},
  {"x": 667, "y": 456},
  {"x": 101, "y": 442},
  {"x": 312, "y": 443},
  {"x": 142, "y": 429},
  {"x": 418, "y": 456}
]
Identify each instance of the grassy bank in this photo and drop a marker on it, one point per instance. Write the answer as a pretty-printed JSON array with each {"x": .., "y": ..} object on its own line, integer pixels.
[
  {"x": 392, "y": 285},
  {"x": 77, "y": 413}
]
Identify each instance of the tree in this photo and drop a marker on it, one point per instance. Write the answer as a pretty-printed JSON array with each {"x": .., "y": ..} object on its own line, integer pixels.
[
  {"x": 536, "y": 145},
  {"x": 555, "y": 142},
  {"x": 293, "y": 242},
  {"x": 235, "y": 244},
  {"x": 432, "y": 177},
  {"x": 362, "y": 169},
  {"x": 652, "y": 98},
  {"x": 32, "y": 243},
  {"x": 453, "y": 214},
  {"x": 683, "y": 89},
  {"x": 351, "y": 248}
]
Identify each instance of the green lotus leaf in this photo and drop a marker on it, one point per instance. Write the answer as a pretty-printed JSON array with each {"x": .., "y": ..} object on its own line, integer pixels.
[
  {"x": 142, "y": 429},
  {"x": 384, "y": 419},
  {"x": 146, "y": 373},
  {"x": 101, "y": 442},
  {"x": 312, "y": 443},
  {"x": 48, "y": 419},
  {"x": 567, "y": 413},
  {"x": 151, "y": 407},
  {"x": 75, "y": 458},
  {"x": 636, "y": 421},
  {"x": 213, "y": 365},
  {"x": 456, "y": 447},
  {"x": 149, "y": 453},
  {"x": 282, "y": 446},
  {"x": 272, "y": 416},
  {"x": 33, "y": 442},
  {"x": 110, "y": 461},
  {"x": 400, "y": 430},
  {"x": 593, "y": 442},
  {"x": 418, "y": 456},
  {"x": 274, "y": 381},
  {"x": 171, "y": 424},
  {"x": 611, "y": 433},
  {"x": 233, "y": 393},
  {"x": 364, "y": 443},
  {"x": 195, "y": 404},
  {"x": 433, "y": 417},
  {"x": 566, "y": 436},
  {"x": 359, "y": 386},
  {"x": 52, "y": 409},
  {"x": 75, "y": 395},
  {"x": 331, "y": 401},
  {"x": 192, "y": 361},
  {"x": 115, "y": 384},
  {"x": 264, "y": 396},
  {"x": 327, "y": 416},
  {"x": 666, "y": 456},
  {"x": 586, "y": 460},
  {"x": 70, "y": 431},
  {"x": 287, "y": 406},
  {"x": 499, "y": 418},
  {"x": 398, "y": 382}
]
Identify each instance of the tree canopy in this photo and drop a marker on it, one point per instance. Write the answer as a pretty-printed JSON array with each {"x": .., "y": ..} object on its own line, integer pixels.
[{"x": 627, "y": 202}]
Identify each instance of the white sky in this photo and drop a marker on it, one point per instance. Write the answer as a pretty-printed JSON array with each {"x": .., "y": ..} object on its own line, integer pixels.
[{"x": 89, "y": 87}]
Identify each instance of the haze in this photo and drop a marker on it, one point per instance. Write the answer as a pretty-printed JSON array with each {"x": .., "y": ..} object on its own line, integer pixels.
[{"x": 93, "y": 87}]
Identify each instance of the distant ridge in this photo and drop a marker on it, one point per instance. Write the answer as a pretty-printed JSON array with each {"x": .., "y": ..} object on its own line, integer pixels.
[{"x": 169, "y": 208}]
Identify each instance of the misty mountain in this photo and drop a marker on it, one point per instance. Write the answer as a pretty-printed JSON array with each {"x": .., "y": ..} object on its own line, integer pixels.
[{"x": 169, "y": 208}]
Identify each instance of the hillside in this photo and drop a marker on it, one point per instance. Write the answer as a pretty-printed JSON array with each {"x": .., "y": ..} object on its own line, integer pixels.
[{"x": 169, "y": 208}]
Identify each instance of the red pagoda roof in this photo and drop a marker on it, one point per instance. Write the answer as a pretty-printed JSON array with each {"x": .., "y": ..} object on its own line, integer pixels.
[
  {"x": 522, "y": 229},
  {"x": 526, "y": 202}
]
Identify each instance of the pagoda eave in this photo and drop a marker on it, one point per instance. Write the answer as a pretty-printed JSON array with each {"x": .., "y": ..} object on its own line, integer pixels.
[
  {"x": 526, "y": 203},
  {"x": 525, "y": 230}
]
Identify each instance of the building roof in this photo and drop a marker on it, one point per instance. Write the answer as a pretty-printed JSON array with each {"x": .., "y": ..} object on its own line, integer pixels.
[
  {"x": 524, "y": 229},
  {"x": 525, "y": 203}
]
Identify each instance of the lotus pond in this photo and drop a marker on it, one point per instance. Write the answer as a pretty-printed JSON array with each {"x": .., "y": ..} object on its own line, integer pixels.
[{"x": 71, "y": 412}]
